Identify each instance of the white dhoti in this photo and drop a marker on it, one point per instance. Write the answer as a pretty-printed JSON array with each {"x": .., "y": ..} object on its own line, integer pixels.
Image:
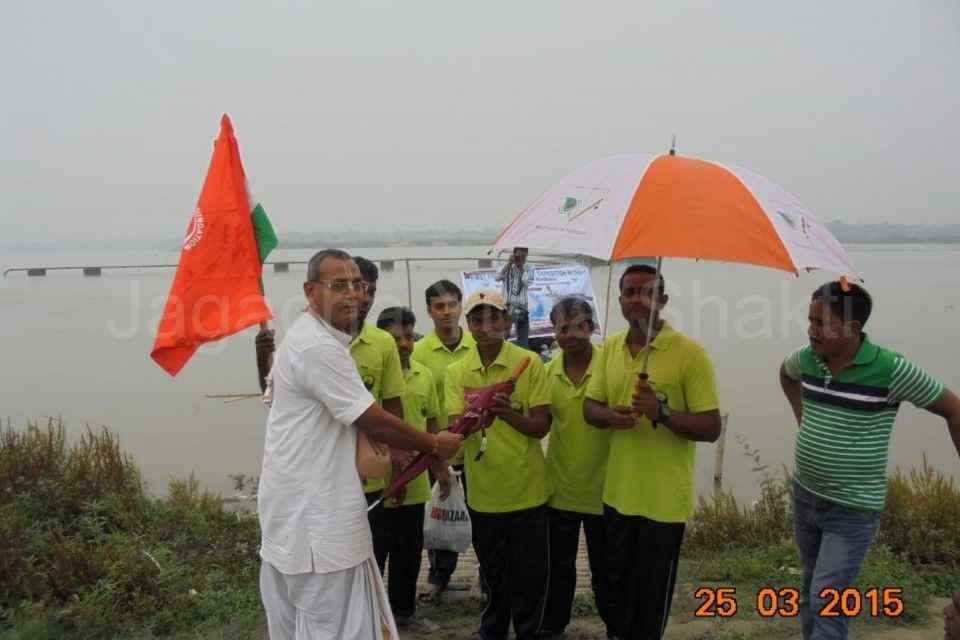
[{"x": 347, "y": 605}]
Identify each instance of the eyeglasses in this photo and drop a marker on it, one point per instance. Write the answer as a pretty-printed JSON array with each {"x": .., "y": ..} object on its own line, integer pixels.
[{"x": 342, "y": 286}]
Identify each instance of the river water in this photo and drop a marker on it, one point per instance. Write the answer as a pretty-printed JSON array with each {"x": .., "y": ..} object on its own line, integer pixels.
[{"x": 78, "y": 348}]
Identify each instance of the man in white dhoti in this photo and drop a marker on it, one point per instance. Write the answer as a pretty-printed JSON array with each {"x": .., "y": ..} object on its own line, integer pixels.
[{"x": 318, "y": 577}]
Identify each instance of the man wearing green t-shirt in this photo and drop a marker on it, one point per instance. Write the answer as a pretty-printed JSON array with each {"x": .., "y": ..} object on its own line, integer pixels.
[
  {"x": 404, "y": 514},
  {"x": 576, "y": 466},
  {"x": 845, "y": 392},
  {"x": 378, "y": 363},
  {"x": 437, "y": 350},
  {"x": 655, "y": 425},
  {"x": 507, "y": 480}
]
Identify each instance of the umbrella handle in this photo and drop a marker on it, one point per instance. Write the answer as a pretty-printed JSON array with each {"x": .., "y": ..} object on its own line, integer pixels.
[
  {"x": 644, "y": 377},
  {"x": 483, "y": 445}
]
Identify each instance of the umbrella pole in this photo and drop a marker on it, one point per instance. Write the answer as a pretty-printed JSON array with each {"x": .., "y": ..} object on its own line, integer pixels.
[
  {"x": 651, "y": 321},
  {"x": 606, "y": 313}
]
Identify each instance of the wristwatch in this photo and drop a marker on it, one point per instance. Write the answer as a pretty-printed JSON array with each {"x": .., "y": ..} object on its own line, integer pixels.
[{"x": 664, "y": 418}]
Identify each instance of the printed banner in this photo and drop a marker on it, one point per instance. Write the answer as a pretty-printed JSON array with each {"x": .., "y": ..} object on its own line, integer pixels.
[{"x": 549, "y": 285}]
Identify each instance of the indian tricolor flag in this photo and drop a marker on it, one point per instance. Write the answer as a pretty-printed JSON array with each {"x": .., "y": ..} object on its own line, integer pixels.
[
  {"x": 263, "y": 232},
  {"x": 217, "y": 289}
]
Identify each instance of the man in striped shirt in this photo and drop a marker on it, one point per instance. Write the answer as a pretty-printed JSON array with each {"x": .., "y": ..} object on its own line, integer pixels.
[
  {"x": 515, "y": 278},
  {"x": 845, "y": 392}
]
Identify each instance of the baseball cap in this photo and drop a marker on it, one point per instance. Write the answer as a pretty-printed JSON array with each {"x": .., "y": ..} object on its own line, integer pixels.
[{"x": 489, "y": 297}]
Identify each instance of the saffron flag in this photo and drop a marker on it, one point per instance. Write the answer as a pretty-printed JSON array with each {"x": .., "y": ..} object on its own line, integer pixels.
[{"x": 216, "y": 291}]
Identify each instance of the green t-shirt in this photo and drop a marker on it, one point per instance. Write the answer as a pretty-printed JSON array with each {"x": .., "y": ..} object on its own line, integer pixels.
[
  {"x": 378, "y": 363},
  {"x": 650, "y": 471},
  {"x": 419, "y": 405},
  {"x": 577, "y": 453},
  {"x": 512, "y": 474},
  {"x": 435, "y": 356},
  {"x": 847, "y": 419}
]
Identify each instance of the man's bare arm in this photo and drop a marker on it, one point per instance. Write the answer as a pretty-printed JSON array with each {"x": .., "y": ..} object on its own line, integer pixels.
[
  {"x": 536, "y": 425},
  {"x": 394, "y": 406},
  {"x": 603, "y": 417},
  {"x": 265, "y": 346},
  {"x": 793, "y": 390},
  {"x": 947, "y": 406},
  {"x": 698, "y": 427},
  {"x": 383, "y": 426}
]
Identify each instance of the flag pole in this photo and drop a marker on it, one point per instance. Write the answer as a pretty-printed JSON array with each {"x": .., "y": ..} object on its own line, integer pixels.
[
  {"x": 263, "y": 292},
  {"x": 265, "y": 325}
]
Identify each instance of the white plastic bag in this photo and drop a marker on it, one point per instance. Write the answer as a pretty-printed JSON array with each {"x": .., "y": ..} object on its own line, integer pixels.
[{"x": 446, "y": 524}]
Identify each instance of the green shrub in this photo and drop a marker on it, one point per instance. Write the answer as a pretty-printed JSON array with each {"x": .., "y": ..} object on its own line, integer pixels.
[
  {"x": 87, "y": 554},
  {"x": 922, "y": 517},
  {"x": 721, "y": 523}
]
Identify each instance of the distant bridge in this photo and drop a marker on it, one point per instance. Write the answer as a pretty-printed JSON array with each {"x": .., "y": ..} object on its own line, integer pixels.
[
  {"x": 386, "y": 265},
  {"x": 278, "y": 267}
]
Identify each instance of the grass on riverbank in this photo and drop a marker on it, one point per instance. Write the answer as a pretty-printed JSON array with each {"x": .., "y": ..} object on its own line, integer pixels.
[{"x": 88, "y": 553}]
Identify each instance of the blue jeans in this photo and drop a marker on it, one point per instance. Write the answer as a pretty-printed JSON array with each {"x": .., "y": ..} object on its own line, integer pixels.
[{"x": 832, "y": 541}]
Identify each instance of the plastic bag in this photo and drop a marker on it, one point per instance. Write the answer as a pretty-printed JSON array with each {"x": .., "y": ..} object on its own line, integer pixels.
[{"x": 446, "y": 524}]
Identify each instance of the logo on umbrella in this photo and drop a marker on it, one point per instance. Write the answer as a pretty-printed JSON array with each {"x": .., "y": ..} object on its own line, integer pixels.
[
  {"x": 797, "y": 222},
  {"x": 568, "y": 205},
  {"x": 194, "y": 231}
]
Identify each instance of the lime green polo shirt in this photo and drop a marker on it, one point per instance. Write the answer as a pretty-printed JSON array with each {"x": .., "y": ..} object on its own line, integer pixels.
[
  {"x": 650, "y": 471},
  {"x": 419, "y": 405},
  {"x": 375, "y": 353},
  {"x": 435, "y": 356},
  {"x": 512, "y": 474},
  {"x": 577, "y": 453}
]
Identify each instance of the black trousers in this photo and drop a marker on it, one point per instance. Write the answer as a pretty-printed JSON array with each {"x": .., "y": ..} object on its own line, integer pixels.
[
  {"x": 379, "y": 528},
  {"x": 442, "y": 562},
  {"x": 564, "y": 544},
  {"x": 514, "y": 553},
  {"x": 404, "y": 555},
  {"x": 642, "y": 558}
]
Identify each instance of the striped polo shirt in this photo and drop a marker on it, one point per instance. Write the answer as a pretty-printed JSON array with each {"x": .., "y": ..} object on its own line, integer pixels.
[{"x": 847, "y": 419}]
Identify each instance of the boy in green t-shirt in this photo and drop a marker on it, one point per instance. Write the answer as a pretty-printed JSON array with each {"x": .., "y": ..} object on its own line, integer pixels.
[
  {"x": 655, "y": 425},
  {"x": 508, "y": 481},
  {"x": 576, "y": 465},
  {"x": 404, "y": 515},
  {"x": 437, "y": 350},
  {"x": 378, "y": 363}
]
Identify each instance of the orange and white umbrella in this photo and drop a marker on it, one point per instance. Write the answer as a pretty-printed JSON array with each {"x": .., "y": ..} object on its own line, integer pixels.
[{"x": 642, "y": 205}]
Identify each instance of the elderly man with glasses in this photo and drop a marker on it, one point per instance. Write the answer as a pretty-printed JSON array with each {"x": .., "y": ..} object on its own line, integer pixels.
[{"x": 319, "y": 577}]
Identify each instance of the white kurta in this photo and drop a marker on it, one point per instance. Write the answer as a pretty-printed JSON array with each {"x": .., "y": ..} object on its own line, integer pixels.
[{"x": 319, "y": 578}]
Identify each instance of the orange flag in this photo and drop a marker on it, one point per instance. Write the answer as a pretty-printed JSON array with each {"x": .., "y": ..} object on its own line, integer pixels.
[{"x": 216, "y": 291}]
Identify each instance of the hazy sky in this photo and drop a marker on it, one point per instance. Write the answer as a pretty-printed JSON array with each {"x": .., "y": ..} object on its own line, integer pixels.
[{"x": 427, "y": 113}]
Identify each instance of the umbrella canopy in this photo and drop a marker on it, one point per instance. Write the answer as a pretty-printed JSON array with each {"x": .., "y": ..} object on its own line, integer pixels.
[{"x": 641, "y": 205}]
